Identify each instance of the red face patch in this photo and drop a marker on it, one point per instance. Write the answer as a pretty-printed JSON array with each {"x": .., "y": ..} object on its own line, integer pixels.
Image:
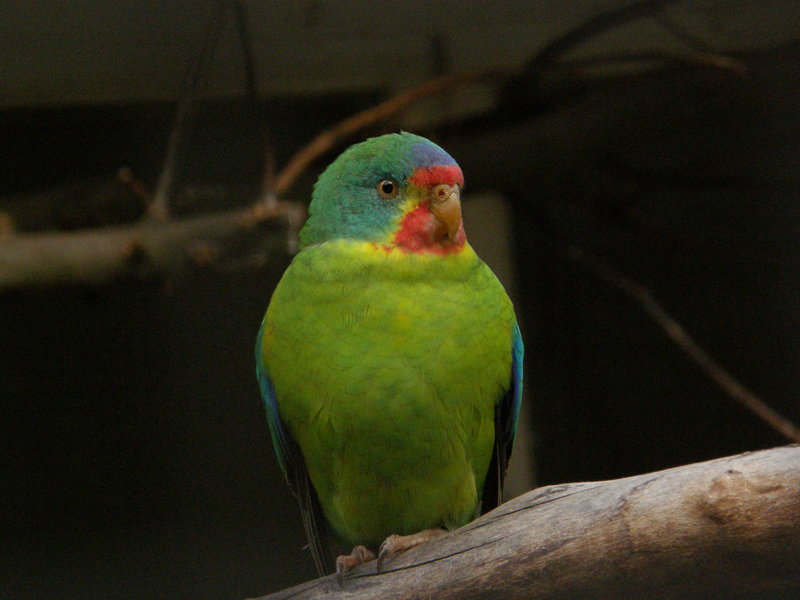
[
  {"x": 429, "y": 176},
  {"x": 417, "y": 234}
]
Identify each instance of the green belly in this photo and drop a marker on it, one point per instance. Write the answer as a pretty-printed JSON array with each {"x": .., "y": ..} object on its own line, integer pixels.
[{"x": 389, "y": 387}]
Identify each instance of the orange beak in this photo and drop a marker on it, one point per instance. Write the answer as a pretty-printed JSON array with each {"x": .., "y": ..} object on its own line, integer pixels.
[{"x": 444, "y": 201}]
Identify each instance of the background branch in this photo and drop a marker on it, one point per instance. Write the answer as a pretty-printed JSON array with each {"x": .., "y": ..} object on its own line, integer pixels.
[
  {"x": 154, "y": 248},
  {"x": 595, "y": 25},
  {"x": 681, "y": 337},
  {"x": 248, "y": 60},
  {"x": 94, "y": 255},
  {"x": 711, "y": 60},
  {"x": 326, "y": 140},
  {"x": 195, "y": 74},
  {"x": 725, "y": 528}
]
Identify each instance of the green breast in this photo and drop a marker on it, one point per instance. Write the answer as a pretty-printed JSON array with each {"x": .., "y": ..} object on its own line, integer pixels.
[{"x": 387, "y": 368}]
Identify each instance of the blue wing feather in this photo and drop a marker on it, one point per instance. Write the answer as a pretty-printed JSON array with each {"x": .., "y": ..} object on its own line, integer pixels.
[
  {"x": 292, "y": 464},
  {"x": 276, "y": 429},
  {"x": 506, "y": 417},
  {"x": 518, "y": 354}
]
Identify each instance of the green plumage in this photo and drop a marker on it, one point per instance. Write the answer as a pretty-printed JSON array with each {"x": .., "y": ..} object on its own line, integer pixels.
[
  {"x": 388, "y": 376},
  {"x": 387, "y": 372}
]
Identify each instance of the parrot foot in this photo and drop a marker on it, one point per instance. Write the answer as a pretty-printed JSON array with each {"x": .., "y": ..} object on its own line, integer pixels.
[
  {"x": 398, "y": 543},
  {"x": 359, "y": 555}
]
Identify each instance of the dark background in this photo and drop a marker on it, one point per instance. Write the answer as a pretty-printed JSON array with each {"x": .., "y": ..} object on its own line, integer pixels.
[{"x": 137, "y": 458}]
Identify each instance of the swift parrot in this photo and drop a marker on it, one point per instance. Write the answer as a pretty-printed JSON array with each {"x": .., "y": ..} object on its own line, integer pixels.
[{"x": 389, "y": 358}]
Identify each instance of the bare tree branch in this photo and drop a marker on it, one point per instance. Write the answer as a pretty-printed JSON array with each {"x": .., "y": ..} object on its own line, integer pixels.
[
  {"x": 143, "y": 249},
  {"x": 53, "y": 258},
  {"x": 678, "y": 334},
  {"x": 6, "y": 225},
  {"x": 248, "y": 62},
  {"x": 692, "y": 41},
  {"x": 328, "y": 138},
  {"x": 596, "y": 25},
  {"x": 698, "y": 59},
  {"x": 126, "y": 177},
  {"x": 195, "y": 74},
  {"x": 725, "y": 528}
]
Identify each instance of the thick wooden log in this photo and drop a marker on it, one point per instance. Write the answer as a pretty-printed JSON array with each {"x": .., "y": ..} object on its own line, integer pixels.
[{"x": 726, "y": 528}]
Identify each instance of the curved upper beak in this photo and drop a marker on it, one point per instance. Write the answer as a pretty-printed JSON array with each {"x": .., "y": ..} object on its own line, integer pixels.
[{"x": 444, "y": 201}]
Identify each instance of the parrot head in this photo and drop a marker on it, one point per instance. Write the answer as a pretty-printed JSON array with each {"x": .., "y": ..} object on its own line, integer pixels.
[{"x": 398, "y": 191}]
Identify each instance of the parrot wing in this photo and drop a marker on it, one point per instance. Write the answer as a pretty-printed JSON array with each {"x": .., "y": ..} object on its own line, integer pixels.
[
  {"x": 505, "y": 427},
  {"x": 293, "y": 466}
]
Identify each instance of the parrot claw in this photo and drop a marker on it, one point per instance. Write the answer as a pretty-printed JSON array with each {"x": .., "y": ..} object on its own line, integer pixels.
[
  {"x": 398, "y": 543},
  {"x": 358, "y": 556}
]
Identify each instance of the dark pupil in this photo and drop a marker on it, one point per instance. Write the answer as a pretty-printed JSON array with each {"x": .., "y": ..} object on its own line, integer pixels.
[{"x": 387, "y": 187}]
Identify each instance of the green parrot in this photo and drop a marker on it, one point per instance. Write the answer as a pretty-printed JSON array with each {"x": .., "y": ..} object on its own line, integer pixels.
[{"x": 389, "y": 358}]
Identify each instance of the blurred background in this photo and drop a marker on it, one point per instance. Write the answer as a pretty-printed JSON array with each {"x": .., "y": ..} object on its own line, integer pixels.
[{"x": 146, "y": 215}]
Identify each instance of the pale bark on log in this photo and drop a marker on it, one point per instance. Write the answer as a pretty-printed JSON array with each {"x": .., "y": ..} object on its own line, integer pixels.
[{"x": 726, "y": 528}]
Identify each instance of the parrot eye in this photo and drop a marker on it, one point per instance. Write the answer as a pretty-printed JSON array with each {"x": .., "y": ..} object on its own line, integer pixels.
[{"x": 388, "y": 188}]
